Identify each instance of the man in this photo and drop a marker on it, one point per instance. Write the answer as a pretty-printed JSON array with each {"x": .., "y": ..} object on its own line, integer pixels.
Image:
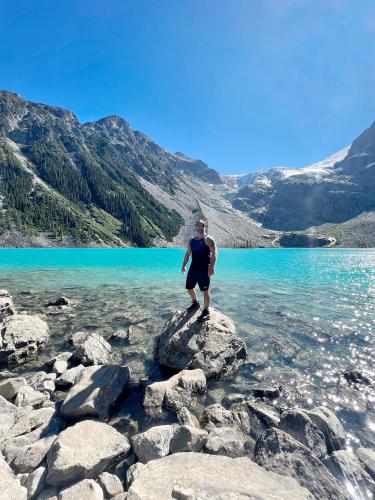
[{"x": 202, "y": 249}]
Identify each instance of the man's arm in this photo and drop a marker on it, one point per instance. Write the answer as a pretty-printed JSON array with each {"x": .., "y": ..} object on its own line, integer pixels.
[
  {"x": 186, "y": 258},
  {"x": 212, "y": 246}
]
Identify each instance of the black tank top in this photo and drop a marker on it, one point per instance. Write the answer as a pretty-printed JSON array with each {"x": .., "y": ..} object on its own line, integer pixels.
[{"x": 200, "y": 255}]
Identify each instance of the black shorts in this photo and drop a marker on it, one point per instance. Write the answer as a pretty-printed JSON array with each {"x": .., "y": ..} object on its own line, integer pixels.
[{"x": 201, "y": 277}]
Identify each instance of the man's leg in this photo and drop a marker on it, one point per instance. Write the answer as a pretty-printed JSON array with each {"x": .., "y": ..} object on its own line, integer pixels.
[
  {"x": 207, "y": 298},
  {"x": 192, "y": 294}
]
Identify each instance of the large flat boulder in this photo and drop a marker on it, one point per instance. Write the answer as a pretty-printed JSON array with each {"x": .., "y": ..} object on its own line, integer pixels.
[
  {"x": 197, "y": 475},
  {"x": 22, "y": 337},
  {"x": 279, "y": 452},
  {"x": 96, "y": 391},
  {"x": 83, "y": 451},
  {"x": 211, "y": 345},
  {"x": 185, "y": 389}
]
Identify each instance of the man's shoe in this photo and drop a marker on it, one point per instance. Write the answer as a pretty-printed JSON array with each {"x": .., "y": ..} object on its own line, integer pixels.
[
  {"x": 194, "y": 306},
  {"x": 204, "y": 315}
]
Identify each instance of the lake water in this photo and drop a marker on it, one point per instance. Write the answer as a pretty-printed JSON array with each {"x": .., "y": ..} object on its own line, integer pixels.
[{"x": 306, "y": 314}]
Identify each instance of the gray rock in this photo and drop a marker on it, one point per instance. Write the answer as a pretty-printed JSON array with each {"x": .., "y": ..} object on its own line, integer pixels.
[
  {"x": 36, "y": 482},
  {"x": 211, "y": 477},
  {"x": 266, "y": 391},
  {"x": 212, "y": 345},
  {"x": 225, "y": 441},
  {"x": 23, "y": 336},
  {"x": 95, "y": 350},
  {"x": 87, "y": 489},
  {"x": 298, "y": 424},
  {"x": 61, "y": 301},
  {"x": 133, "y": 472},
  {"x": 78, "y": 338},
  {"x": 11, "y": 488},
  {"x": 10, "y": 387},
  {"x": 61, "y": 362},
  {"x": 19, "y": 445},
  {"x": 187, "y": 438},
  {"x": 367, "y": 458},
  {"x": 263, "y": 413},
  {"x": 96, "y": 391},
  {"x": 330, "y": 426},
  {"x": 352, "y": 473},
  {"x": 356, "y": 377},
  {"x": 121, "y": 334},
  {"x": 6, "y": 306},
  {"x": 120, "y": 496},
  {"x": 69, "y": 377},
  {"x": 279, "y": 452},
  {"x": 28, "y": 396},
  {"x": 185, "y": 389},
  {"x": 30, "y": 456},
  {"x": 217, "y": 416},
  {"x": 185, "y": 417},
  {"x": 153, "y": 443},
  {"x": 42, "y": 381},
  {"x": 110, "y": 484},
  {"x": 83, "y": 451}
]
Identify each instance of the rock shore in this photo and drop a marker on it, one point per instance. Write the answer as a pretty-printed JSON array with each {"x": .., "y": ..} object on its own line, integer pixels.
[{"x": 62, "y": 436}]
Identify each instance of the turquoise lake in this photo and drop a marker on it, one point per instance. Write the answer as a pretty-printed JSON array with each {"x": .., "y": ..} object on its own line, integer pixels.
[{"x": 306, "y": 314}]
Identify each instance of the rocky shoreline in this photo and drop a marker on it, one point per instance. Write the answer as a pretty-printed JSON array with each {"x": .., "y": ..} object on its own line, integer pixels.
[{"x": 60, "y": 437}]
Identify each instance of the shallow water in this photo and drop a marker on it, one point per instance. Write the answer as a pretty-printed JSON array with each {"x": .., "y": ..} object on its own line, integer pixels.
[{"x": 306, "y": 314}]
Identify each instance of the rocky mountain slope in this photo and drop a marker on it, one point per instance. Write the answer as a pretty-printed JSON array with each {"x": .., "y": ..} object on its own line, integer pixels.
[
  {"x": 63, "y": 183},
  {"x": 333, "y": 191}
]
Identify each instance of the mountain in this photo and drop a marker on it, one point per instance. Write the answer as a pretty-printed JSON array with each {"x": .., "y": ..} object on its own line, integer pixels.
[
  {"x": 333, "y": 191},
  {"x": 64, "y": 183}
]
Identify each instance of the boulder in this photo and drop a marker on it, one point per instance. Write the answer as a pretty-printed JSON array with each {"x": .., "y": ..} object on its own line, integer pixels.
[
  {"x": 212, "y": 345},
  {"x": 49, "y": 494},
  {"x": 217, "y": 416},
  {"x": 367, "y": 458},
  {"x": 225, "y": 441},
  {"x": 83, "y": 451},
  {"x": 69, "y": 377},
  {"x": 31, "y": 455},
  {"x": 356, "y": 377},
  {"x": 153, "y": 443},
  {"x": 61, "y": 362},
  {"x": 78, "y": 338},
  {"x": 94, "y": 350},
  {"x": 23, "y": 336},
  {"x": 84, "y": 490},
  {"x": 10, "y": 487},
  {"x": 36, "y": 482},
  {"x": 330, "y": 426},
  {"x": 6, "y": 306},
  {"x": 266, "y": 391},
  {"x": 279, "y": 452},
  {"x": 110, "y": 484},
  {"x": 196, "y": 475},
  {"x": 27, "y": 396},
  {"x": 263, "y": 413},
  {"x": 187, "y": 438},
  {"x": 298, "y": 424},
  {"x": 185, "y": 389},
  {"x": 42, "y": 381},
  {"x": 10, "y": 387},
  {"x": 185, "y": 417},
  {"x": 61, "y": 301},
  {"x": 96, "y": 391}
]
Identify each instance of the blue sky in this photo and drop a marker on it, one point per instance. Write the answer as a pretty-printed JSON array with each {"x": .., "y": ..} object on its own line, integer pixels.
[{"x": 240, "y": 84}]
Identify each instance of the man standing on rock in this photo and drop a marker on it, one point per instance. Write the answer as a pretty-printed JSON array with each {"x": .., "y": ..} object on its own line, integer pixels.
[{"x": 202, "y": 249}]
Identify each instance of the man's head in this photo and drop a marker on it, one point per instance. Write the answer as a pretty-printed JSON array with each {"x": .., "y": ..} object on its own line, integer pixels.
[{"x": 200, "y": 226}]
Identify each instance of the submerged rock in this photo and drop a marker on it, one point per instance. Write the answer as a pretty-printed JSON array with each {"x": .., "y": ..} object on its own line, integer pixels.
[
  {"x": 84, "y": 451},
  {"x": 96, "y": 391},
  {"x": 367, "y": 458},
  {"x": 212, "y": 345},
  {"x": 279, "y": 452},
  {"x": 197, "y": 475},
  {"x": 94, "y": 350},
  {"x": 351, "y": 472},
  {"x": 185, "y": 389},
  {"x": 330, "y": 426},
  {"x": 22, "y": 337}
]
